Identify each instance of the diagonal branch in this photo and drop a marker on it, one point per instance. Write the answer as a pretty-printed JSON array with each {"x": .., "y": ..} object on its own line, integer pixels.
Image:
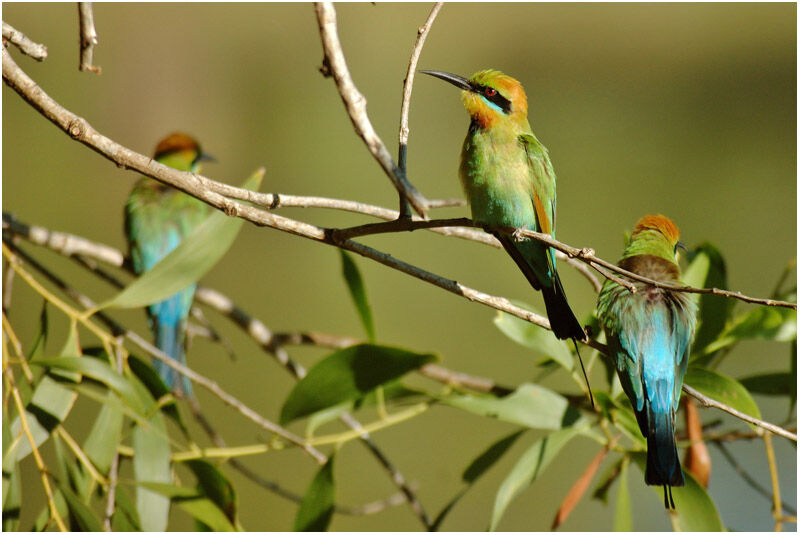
[
  {"x": 25, "y": 45},
  {"x": 356, "y": 104},
  {"x": 405, "y": 107}
]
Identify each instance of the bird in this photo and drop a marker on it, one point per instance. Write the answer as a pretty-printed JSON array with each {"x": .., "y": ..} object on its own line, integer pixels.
[
  {"x": 649, "y": 336},
  {"x": 157, "y": 218},
  {"x": 508, "y": 178}
]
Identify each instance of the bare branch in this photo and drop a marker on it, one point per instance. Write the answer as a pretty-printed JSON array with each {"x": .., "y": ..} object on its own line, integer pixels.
[
  {"x": 88, "y": 37},
  {"x": 356, "y": 106},
  {"x": 709, "y": 402},
  {"x": 405, "y": 107},
  {"x": 25, "y": 45}
]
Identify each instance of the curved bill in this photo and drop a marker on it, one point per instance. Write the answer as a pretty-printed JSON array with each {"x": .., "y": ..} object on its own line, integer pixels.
[{"x": 456, "y": 80}]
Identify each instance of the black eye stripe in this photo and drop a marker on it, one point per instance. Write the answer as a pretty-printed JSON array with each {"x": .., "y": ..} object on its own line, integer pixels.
[{"x": 502, "y": 102}]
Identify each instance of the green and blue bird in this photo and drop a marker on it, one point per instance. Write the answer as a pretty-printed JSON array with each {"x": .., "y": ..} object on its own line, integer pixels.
[
  {"x": 157, "y": 218},
  {"x": 509, "y": 181},
  {"x": 649, "y": 336}
]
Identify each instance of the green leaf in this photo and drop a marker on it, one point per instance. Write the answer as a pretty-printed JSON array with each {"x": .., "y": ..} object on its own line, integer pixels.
[
  {"x": 349, "y": 374},
  {"x": 316, "y": 509},
  {"x": 486, "y": 460},
  {"x": 623, "y": 517},
  {"x": 213, "y": 484},
  {"x": 707, "y": 270},
  {"x": 104, "y": 438},
  {"x": 12, "y": 490},
  {"x": 201, "y": 508},
  {"x": 326, "y": 415},
  {"x": 764, "y": 323},
  {"x": 605, "y": 481},
  {"x": 529, "y": 405},
  {"x": 771, "y": 384},
  {"x": 151, "y": 456},
  {"x": 80, "y": 511},
  {"x": 188, "y": 262},
  {"x": 357, "y": 291},
  {"x": 722, "y": 388},
  {"x": 534, "y": 337},
  {"x": 50, "y": 405},
  {"x": 527, "y": 469},
  {"x": 694, "y": 508},
  {"x": 125, "y": 517},
  {"x": 99, "y": 371}
]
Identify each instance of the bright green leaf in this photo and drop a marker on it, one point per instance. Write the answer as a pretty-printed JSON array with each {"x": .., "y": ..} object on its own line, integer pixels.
[
  {"x": 530, "y": 405},
  {"x": 765, "y": 323},
  {"x": 534, "y": 337},
  {"x": 103, "y": 440},
  {"x": 714, "y": 310},
  {"x": 126, "y": 517},
  {"x": 316, "y": 509},
  {"x": 188, "y": 262},
  {"x": 348, "y": 374},
  {"x": 722, "y": 388},
  {"x": 329, "y": 414},
  {"x": 528, "y": 468},
  {"x": 213, "y": 483},
  {"x": 623, "y": 517},
  {"x": 151, "y": 464},
  {"x": 191, "y": 501},
  {"x": 355, "y": 284}
]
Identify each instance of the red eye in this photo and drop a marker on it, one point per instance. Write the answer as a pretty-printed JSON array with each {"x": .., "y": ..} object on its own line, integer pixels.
[{"x": 490, "y": 92}]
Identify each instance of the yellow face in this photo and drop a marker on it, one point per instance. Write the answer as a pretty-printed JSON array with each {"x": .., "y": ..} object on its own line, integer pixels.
[{"x": 496, "y": 97}]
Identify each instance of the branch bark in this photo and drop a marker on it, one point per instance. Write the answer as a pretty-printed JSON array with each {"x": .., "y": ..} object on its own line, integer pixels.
[
  {"x": 88, "y": 37},
  {"x": 25, "y": 45}
]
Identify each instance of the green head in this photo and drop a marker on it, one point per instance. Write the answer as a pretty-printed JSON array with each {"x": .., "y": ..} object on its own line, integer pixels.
[
  {"x": 490, "y": 97},
  {"x": 654, "y": 235},
  {"x": 181, "y": 152}
]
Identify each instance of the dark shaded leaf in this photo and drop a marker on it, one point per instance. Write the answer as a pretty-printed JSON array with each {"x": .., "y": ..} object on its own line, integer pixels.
[
  {"x": 486, "y": 460},
  {"x": 125, "y": 517},
  {"x": 349, "y": 374},
  {"x": 771, "y": 384},
  {"x": 623, "y": 515},
  {"x": 191, "y": 501},
  {"x": 355, "y": 284},
  {"x": 316, "y": 509},
  {"x": 80, "y": 511},
  {"x": 213, "y": 483}
]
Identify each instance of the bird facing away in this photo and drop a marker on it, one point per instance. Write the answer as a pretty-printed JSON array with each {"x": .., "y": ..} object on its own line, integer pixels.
[
  {"x": 649, "y": 335},
  {"x": 157, "y": 218}
]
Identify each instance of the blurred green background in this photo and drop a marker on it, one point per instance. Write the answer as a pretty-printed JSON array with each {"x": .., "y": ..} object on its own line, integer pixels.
[{"x": 687, "y": 110}]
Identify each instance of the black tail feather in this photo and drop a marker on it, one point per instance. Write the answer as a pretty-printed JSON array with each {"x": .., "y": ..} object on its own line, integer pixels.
[{"x": 663, "y": 463}]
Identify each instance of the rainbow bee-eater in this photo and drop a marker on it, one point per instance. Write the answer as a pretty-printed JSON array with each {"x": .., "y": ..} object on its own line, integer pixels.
[
  {"x": 649, "y": 335},
  {"x": 157, "y": 218},
  {"x": 509, "y": 181}
]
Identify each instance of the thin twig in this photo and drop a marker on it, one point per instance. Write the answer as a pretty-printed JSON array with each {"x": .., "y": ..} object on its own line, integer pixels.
[
  {"x": 23, "y": 420},
  {"x": 749, "y": 479},
  {"x": 210, "y": 385},
  {"x": 356, "y": 106},
  {"x": 777, "y": 511},
  {"x": 709, "y": 402},
  {"x": 25, "y": 45},
  {"x": 201, "y": 188},
  {"x": 405, "y": 107},
  {"x": 88, "y": 37},
  {"x": 264, "y": 336}
]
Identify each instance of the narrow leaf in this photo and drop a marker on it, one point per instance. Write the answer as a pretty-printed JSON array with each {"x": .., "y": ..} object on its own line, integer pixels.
[
  {"x": 126, "y": 517},
  {"x": 104, "y": 438},
  {"x": 764, "y": 323},
  {"x": 486, "y": 460},
  {"x": 200, "y": 507},
  {"x": 151, "y": 463},
  {"x": 623, "y": 514},
  {"x": 349, "y": 374},
  {"x": 80, "y": 511},
  {"x": 213, "y": 484},
  {"x": 316, "y": 509},
  {"x": 534, "y": 337},
  {"x": 357, "y": 291},
  {"x": 188, "y": 262},
  {"x": 714, "y": 311},
  {"x": 530, "y": 405},
  {"x": 527, "y": 469}
]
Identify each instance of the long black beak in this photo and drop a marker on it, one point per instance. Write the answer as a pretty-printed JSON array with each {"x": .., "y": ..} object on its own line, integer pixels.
[
  {"x": 456, "y": 80},
  {"x": 204, "y": 157},
  {"x": 681, "y": 245}
]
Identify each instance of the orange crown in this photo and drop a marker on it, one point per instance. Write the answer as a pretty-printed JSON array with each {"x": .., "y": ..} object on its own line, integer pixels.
[
  {"x": 176, "y": 142},
  {"x": 661, "y": 223}
]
